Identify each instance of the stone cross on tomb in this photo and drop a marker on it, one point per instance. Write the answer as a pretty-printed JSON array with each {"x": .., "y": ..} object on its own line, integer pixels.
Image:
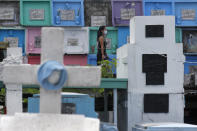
[{"x": 51, "y": 75}]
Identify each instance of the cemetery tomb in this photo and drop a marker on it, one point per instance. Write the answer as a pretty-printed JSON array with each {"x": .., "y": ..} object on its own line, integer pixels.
[
  {"x": 123, "y": 35},
  {"x": 27, "y": 74},
  {"x": 111, "y": 39},
  {"x": 189, "y": 40},
  {"x": 72, "y": 103},
  {"x": 14, "y": 36},
  {"x": 33, "y": 40},
  {"x": 76, "y": 40},
  {"x": 35, "y": 12},
  {"x": 155, "y": 107},
  {"x": 98, "y": 12},
  {"x": 67, "y": 13},
  {"x": 185, "y": 12},
  {"x": 158, "y": 7},
  {"x": 9, "y": 13},
  {"x": 48, "y": 122},
  {"x": 190, "y": 77},
  {"x": 191, "y": 60},
  {"x": 56, "y": 78},
  {"x": 72, "y": 60},
  {"x": 155, "y": 71},
  {"x": 170, "y": 126},
  {"x": 124, "y": 10}
]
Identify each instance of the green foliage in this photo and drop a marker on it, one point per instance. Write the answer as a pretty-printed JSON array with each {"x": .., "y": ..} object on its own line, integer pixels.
[
  {"x": 108, "y": 68},
  {"x": 31, "y": 91},
  {"x": 2, "y": 95},
  {"x": 2, "y": 92},
  {"x": 25, "y": 100}
]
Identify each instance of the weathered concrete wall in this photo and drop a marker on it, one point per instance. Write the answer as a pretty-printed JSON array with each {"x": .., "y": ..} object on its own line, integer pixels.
[
  {"x": 122, "y": 63},
  {"x": 40, "y": 122},
  {"x": 12, "y": 6},
  {"x": 98, "y": 8},
  {"x": 76, "y": 40}
]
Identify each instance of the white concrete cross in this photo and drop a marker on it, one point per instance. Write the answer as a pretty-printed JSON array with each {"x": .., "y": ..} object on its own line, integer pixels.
[{"x": 52, "y": 42}]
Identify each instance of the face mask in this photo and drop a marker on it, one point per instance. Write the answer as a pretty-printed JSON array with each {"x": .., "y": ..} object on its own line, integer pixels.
[{"x": 105, "y": 32}]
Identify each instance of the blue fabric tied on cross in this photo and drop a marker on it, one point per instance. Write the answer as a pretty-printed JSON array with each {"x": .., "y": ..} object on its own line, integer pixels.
[{"x": 46, "y": 71}]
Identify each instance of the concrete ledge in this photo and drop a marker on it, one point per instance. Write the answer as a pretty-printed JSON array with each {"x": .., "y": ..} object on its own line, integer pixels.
[
  {"x": 78, "y": 76},
  {"x": 48, "y": 122}
]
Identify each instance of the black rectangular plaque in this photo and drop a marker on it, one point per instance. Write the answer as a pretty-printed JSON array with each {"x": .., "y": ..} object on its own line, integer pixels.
[
  {"x": 154, "y": 31},
  {"x": 155, "y": 78},
  {"x": 156, "y": 103},
  {"x": 154, "y": 63},
  {"x": 68, "y": 108}
]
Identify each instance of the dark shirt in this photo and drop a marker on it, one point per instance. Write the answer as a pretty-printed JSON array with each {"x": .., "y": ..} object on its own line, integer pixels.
[{"x": 99, "y": 53}]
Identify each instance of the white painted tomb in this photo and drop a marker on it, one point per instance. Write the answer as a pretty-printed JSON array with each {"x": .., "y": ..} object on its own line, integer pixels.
[
  {"x": 52, "y": 75},
  {"x": 76, "y": 40},
  {"x": 122, "y": 61},
  {"x": 170, "y": 126},
  {"x": 48, "y": 122},
  {"x": 155, "y": 71},
  {"x": 13, "y": 91}
]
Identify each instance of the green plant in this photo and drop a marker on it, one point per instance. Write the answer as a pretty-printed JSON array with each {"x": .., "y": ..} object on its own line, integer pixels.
[
  {"x": 2, "y": 95},
  {"x": 2, "y": 92},
  {"x": 108, "y": 68},
  {"x": 31, "y": 90}
]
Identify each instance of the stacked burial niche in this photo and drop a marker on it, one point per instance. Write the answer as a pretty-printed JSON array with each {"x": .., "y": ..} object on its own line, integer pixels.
[{"x": 155, "y": 71}]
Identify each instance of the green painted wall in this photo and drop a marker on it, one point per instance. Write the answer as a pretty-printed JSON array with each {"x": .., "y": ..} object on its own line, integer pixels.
[
  {"x": 112, "y": 34},
  {"x": 27, "y": 5},
  {"x": 178, "y": 35}
]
